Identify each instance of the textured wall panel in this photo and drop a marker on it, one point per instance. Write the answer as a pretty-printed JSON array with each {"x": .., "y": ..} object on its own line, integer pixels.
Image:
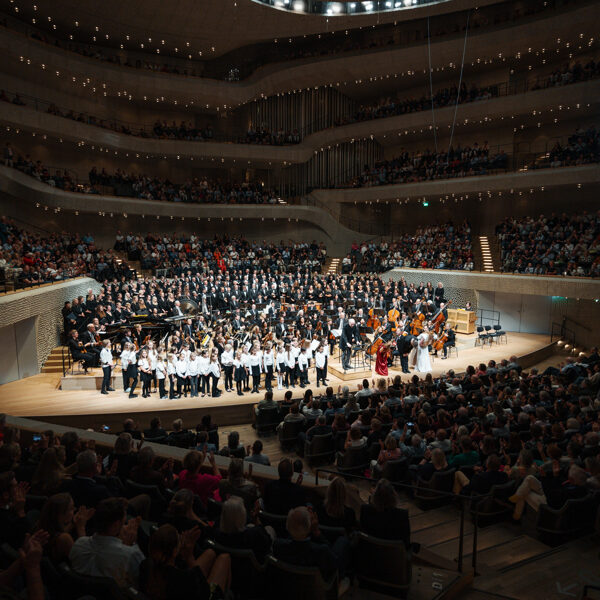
[{"x": 45, "y": 303}]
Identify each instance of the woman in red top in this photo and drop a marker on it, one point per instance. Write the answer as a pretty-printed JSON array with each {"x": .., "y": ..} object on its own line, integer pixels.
[
  {"x": 202, "y": 484},
  {"x": 381, "y": 363}
]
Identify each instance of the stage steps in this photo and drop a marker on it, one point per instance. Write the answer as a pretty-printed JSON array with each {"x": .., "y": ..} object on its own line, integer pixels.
[
  {"x": 332, "y": 266},
  {"x": 54, "y": 363},
  {"x": 487, "y": 260}
]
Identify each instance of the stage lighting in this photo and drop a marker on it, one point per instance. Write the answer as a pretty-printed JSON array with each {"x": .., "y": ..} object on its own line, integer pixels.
[{"x": 298, "y": 5}]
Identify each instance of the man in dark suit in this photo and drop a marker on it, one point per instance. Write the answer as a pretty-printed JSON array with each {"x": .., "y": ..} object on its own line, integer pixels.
[
  {"x": 350, "y": 336},
  {"x": 83, "y": 487},
  {"x": 403, "y": 348}
]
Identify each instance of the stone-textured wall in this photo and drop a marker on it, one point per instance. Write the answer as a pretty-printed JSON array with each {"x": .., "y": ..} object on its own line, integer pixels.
[
  {"x": 45, "y": 303},
  {"x": 454, "y": 291}
]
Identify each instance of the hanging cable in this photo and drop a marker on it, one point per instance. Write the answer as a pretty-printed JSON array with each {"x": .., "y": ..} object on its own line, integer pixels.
[
  {"x": 431, "y": 86},
  {"x": 462, "y": 66}
]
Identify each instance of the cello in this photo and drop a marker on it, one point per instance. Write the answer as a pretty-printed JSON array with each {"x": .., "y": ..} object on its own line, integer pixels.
[
  {"x": 416, "y": 325},
  {"x": 438, "y": 320},
  {"x": 373, "y": 321},
  {"x": 393, "y": 316}
]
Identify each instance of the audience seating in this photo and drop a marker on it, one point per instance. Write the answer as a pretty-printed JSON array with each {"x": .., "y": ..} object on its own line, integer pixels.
[
  {"x": 320, "y": 449},
  {"x": 288, "y": 434},
  {"x": 353, "y": 461},
  {"x": 427, "y": 492},
  {"x": 299, "y": 583},
  {"x": 494, "y": 507},
  {"x": 576, "y": 516},
  {"x": 384, "y": 566},
  {"x": 267, "y": 420}
]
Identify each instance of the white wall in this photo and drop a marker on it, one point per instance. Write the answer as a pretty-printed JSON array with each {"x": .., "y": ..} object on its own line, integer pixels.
[
  {"x": 18, "y": 351},
  {"x": 522, "y": 313}
]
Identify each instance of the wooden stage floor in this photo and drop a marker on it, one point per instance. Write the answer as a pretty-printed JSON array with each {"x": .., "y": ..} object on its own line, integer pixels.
[{"x": 41, "y": 396}]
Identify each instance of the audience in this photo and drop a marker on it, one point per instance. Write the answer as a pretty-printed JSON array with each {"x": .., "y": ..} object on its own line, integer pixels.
[
  {"x": 435, "y": 247},
  {"x": 551, "y": 245},
  {"x": 425, "y": 166}
]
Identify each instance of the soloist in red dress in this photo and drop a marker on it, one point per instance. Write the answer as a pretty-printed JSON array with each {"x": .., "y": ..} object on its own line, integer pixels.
[{"x": 381, "y": 367}]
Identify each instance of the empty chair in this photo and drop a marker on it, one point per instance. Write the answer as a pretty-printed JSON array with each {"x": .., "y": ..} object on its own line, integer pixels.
[
  {"x": 482, "y": 338},
  {"x": 353, "y": 460},
  {"x": 298, "y": 583},
  {"x": 321, "y": 449},
  {"x": 575, "y": 517},
  {"x": 288, "y": 434},
  {"x": 395, "y": 470},
  {"x": 158, "y": 501},
  {"x": 427, "y": 493},
  {"x": 384, "y": 565},
  {"x": 496, "y": 506},
  {"x": 500, "y": 334},
  {"x": 267, "y": 420},
  {"x": 488, "y": 332},
  {"x": 248, "y": 580}
]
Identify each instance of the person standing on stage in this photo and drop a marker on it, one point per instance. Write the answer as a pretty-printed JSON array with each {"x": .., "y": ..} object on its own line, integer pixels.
[
  {"x": 255, "y": 369},
  {"x": 381, "y": 366},
  {"x": 145, "y": 372},
  {"x": 172, "y": 374},
  {"x": 268, "y": 364},
  {"x": 423, "y": 360},
  {"x": 239, "y": 373},
  {"x": 281, "y": 363},
  {"x": 214, "y": 370},
  {"x": 320, "y": 363},
  {"x": 107, "y": 364},
  {"x": 203, "y": 376},
  {"x": 227, "y": 363},
  {"x": 193, "y": 373},
  {"x": 348, "y": 338},
  {"x": 161, "y": 375}
]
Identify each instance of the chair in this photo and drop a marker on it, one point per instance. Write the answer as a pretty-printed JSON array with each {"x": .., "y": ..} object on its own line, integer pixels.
[
  {"x": 158, "y": 501},
  {"x": 352, "y": 416},
  {"x": 266, "y": 420},
  {"x": 427, "y": 492},
  {"x": 500, "y": 334},
  {"x": 488, "y": 332},
  {"x": 452, "y": 349},
  {"x": 298, "y": 583},
  {"x": 75, "y": 585},
  {"x": 575, "y": 517},
  {"x": 332, "y": 533},
  {"x": 384, "y": 565},
  {"x": 395, "y": 470},
  {"x": 353, "y": 461},
  {"x": 184, "y": 440},
  {"x": 494, "y": 507},
  {"x": 321, "y": 448},
  {"x": 248, "y": 580},
  {"x": 277, "y": 522},
  {"x": 288, "y": 433},
  {"x": 482, "y": 338}
]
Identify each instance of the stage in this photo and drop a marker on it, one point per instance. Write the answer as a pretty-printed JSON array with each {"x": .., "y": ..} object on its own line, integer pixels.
[{"x": 41, "y": 396}]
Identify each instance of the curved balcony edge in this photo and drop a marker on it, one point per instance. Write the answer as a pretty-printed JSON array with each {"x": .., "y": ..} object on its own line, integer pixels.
[
  {"x": 18, "y": 185},
  {"x": 576, "y": 95},
  {"x": 517, "y": 181},
  {"x": 314, "y": 73}
]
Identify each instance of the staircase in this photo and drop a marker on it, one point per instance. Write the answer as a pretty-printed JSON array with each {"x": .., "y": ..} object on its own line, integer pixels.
[
  {"x": 332, "y": 266},
  {"x": 54, "y": 363},
  {"x": 487, "y": 262},
  {"x": 134, "y": 265}
]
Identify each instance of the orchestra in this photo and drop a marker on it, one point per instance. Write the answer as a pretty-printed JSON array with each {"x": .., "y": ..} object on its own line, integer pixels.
[{"x": 189, "y": 332}]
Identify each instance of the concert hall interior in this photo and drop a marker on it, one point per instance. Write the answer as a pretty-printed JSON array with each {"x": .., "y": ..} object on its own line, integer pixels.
[{"x": 331, "y": 268}]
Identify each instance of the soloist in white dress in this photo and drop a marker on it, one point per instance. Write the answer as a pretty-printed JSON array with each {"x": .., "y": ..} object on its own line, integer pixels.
[{"x": 423, "y": 360}]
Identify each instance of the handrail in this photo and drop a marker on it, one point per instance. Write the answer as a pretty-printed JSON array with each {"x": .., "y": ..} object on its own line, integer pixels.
[
  {"x": 463, "y": 500},
  {"x": 504, "y": 88}
]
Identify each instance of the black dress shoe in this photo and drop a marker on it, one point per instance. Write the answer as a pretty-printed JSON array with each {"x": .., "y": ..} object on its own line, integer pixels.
[
  {"x": 111, "y": 389},
  {"x": 104, "y": 392},
  {"x": 133, "y": 395}
]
